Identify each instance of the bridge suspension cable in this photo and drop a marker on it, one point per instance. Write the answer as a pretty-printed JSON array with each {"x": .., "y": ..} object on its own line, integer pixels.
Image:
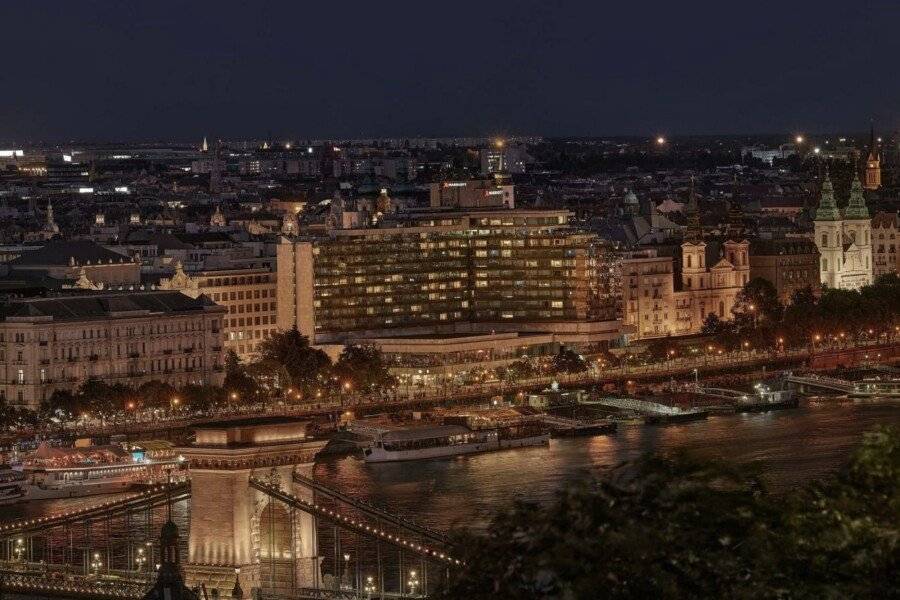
[
  {"x": 352, "y": 524},
  {"x": 372, "y": 510},
  {"x": 152, "y": 497}
]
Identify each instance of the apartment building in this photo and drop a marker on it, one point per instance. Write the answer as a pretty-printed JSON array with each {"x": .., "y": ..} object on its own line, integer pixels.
[
  {"x": 249, "y": 297},
  {"x": 49, "y": 344}
]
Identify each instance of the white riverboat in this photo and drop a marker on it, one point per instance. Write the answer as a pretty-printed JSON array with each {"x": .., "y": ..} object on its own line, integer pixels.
[
  {"x": 876, "y": 387},
  {"x": 452, "y": 439},
  {"x": 75, "y": 472}
]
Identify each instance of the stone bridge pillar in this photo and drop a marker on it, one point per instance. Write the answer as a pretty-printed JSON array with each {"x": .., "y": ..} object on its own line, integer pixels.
[{"x": 228, "y": 517}]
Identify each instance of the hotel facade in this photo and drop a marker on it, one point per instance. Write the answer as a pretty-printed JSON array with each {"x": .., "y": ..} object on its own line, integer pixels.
[{"x": 444, "y": 291}]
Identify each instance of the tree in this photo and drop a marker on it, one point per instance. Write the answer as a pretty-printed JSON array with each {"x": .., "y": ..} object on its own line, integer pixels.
[
  {"x": 524, "y": 368},
  {"x": 758, "y": 300},
  {"x": 61, "y": 405},
  {"x": 679, "y": 527},
  {"x": 659, "y": 349},
  {"x": 156, "y": 394},
  {"x": 105, "y": 399},
  {"x": 238, "y": 384},
  {"x": 298, "y": 364},
  {"x": 200, "y": 397},
  {"x": 363, "y": 367},
  {"x": 711, "y": 324},
  {"x": 801, "y": 322},
  {"x": 568, "y": 361}
]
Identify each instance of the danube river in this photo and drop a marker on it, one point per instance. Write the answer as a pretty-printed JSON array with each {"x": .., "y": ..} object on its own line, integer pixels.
[{"x": 792, "y": 446}]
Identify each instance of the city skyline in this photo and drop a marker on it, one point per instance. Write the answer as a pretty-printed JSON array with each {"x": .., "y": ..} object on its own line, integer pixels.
[{"x": 401, "y": 71}]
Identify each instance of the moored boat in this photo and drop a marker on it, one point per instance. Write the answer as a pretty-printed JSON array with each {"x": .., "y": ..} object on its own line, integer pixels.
[{"x": 455, "y": 436}]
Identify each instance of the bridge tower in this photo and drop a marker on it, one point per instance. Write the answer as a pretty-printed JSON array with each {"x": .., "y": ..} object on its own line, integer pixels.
[{"x": 237, "y": 534}]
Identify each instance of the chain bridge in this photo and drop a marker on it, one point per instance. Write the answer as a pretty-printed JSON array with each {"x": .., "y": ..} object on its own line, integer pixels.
[{"x": 256, "y": 520}]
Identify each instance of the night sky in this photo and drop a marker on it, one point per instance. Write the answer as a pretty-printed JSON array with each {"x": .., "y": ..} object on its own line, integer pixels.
[{"x": 150, "y": 70}]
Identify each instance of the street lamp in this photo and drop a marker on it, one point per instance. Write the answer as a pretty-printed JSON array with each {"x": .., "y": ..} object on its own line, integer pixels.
[
  {"x": 19, "y": 549},
  {"x": 799, "y": 139},
  {"x": 140, "y": 560},
  {"x": 369, "y": 589},
  {"x": 347, "y": 570},
  {"x": 96, "y": 563},
  {"x": 660, "y": 141},
  {"x": 697, "y": 377},
  {"x": 413, "y": 583}
]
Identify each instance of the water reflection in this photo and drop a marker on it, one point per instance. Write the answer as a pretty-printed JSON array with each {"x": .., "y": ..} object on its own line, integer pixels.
[{"x": 791, "y": 446}]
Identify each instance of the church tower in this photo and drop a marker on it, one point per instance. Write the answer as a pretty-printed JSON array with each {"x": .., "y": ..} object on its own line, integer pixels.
[
  {"x": 873, "y": 163},
  {"x": 693, "y": 248},
  {"x": 828, "y": 235},
  {"x": 858, "y": 228}
]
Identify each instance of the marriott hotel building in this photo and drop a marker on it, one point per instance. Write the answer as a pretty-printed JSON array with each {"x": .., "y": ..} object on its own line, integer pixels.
[{"x": 445, "y": 291}]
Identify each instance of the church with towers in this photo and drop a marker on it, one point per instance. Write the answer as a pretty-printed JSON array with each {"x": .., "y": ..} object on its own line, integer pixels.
[
  {"x": 844, "y": 238},
  {"x": 665, "y": 294}
]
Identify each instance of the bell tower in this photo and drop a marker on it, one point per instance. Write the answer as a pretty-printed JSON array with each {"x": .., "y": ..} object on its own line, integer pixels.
[
  {"x": 828, "y": 235},
  {"x": 873, "y": 163}
]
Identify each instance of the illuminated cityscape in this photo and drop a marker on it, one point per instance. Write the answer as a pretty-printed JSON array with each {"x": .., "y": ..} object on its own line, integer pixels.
[{"x": 309, "y": 302}]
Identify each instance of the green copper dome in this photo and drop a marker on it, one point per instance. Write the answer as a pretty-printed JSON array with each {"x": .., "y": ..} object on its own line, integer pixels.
[
  {"x": 856, "y": 208},
  {"x": 828, "y": 210}
]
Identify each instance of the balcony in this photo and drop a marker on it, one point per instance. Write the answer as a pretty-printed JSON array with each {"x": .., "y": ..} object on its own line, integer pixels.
[{"x": 134, "y": 355}]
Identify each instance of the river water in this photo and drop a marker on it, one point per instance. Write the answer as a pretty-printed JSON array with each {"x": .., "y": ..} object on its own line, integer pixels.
[{"x": 791, "y": 445}]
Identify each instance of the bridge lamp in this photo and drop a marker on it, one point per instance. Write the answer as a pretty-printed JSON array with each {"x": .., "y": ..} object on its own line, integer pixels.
[
  {"x": 413, "y": 582},
  {"x": 369, "y": 588}
]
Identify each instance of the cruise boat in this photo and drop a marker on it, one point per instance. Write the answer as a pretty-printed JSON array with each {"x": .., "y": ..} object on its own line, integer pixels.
[
  {"x": 876, "y": 387},
  {"x": 81, "y": 471},
  {"x": 11, "y": 481},
  {"x": 453, "y": 437}
]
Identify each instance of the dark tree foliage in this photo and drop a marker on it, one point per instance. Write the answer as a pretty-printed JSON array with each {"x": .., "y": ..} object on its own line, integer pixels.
[
  {"x": 364, "y": 368},
  {"x": 238, "y": 384},
  {"x": 156, "y": 394},
  {"x": 524, "y": 368},
  {"x": 758, "y": 300},
  {"x": 568, "y": 361},
  {"x": 297, "y": 364},
  {"x": 679, "y": 527}
]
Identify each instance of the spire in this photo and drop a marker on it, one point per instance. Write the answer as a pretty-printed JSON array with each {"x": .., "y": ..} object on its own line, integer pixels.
[
  {"x": 205, "y": 146},
  {"x": 872, "y": 151},
  {"x": 694, "y": 230},
  {"x": 827, "y": 210},
  {"x": 856, "y": 207},
  {"x": 735, "y": 227}
]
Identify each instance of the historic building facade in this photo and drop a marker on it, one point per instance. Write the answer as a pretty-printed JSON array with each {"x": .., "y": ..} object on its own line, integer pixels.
[
  {"x": 248, "y": 295},
  {"x": 789, "y": 264},
  {"x": 885, "y": 244},
  {"x": 844, "y": 239},
  {"x": 664, "y": 297},
  {"x": 49, "y": 344}
]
